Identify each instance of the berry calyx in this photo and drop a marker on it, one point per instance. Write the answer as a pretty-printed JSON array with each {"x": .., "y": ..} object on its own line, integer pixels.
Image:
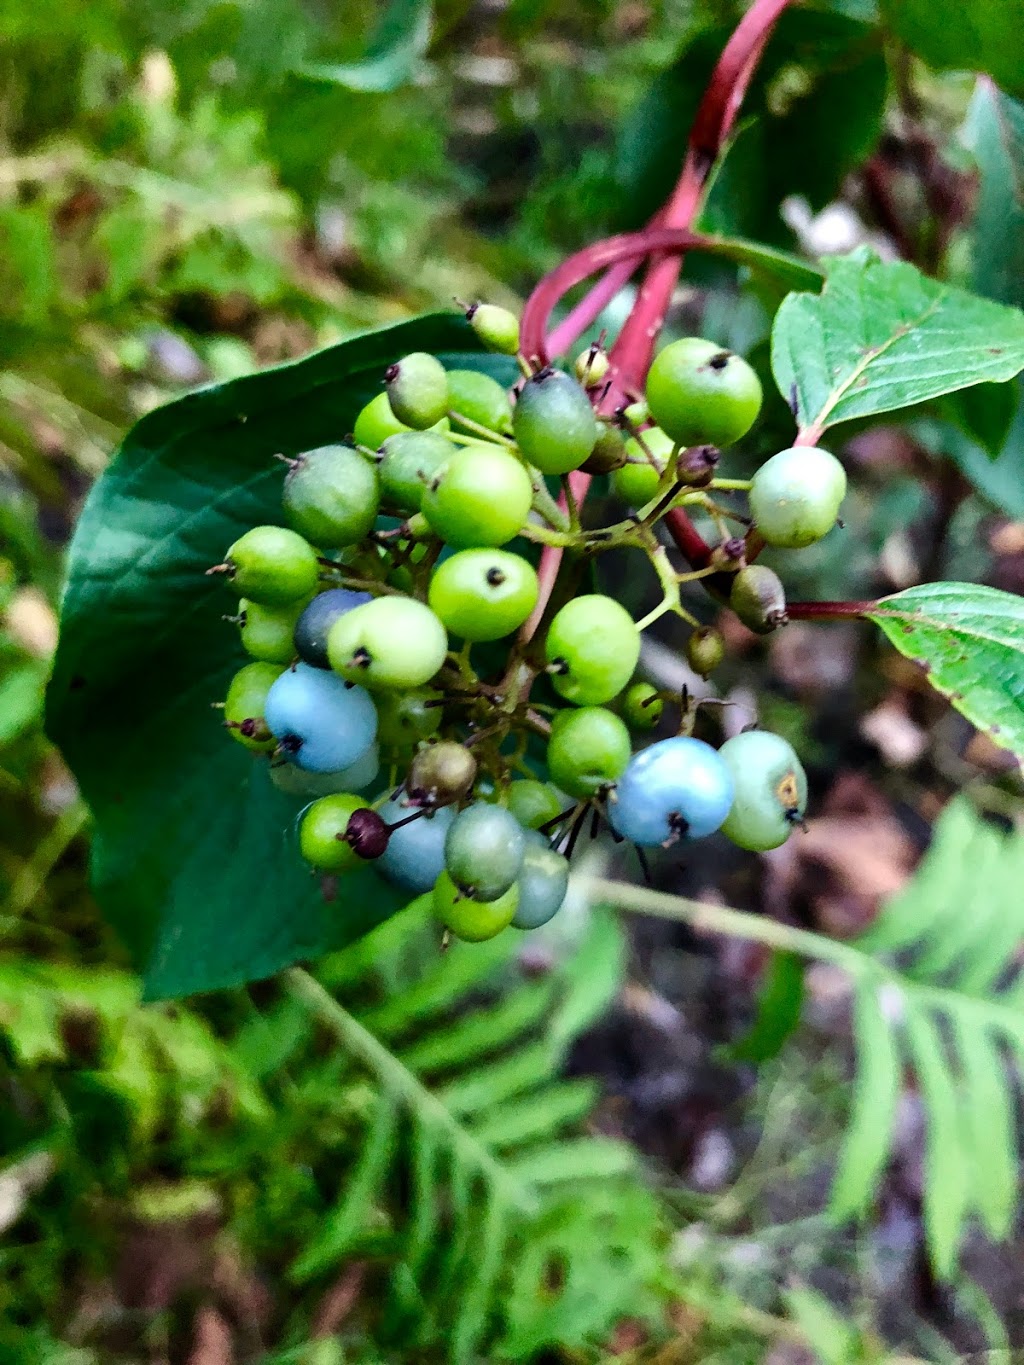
[
  {"x": 702, "y": 394},
  {"x": 553, "y": 422}
]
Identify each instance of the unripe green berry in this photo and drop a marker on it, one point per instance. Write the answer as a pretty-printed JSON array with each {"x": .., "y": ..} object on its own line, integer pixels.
[
  {"x": 770, "y": 790},
  {"x": 637, "y": 481},
  {"x": 469, "y": 919},
  {"x": 642, "y": 706},
  {"x": 496, "y": 327},
  {"x": 331, "y": 496},
  {"x": 483, "y": 594},
  {"x": 405, "y": 718},
  {"x": 592, "y": 366},
  {"x": 272, "y": 565},
  {"x": 705, "y": 650},
  {"x": 389, "y": 642},
  {"x": 533, "y": 803},
  {"x": 592, "y": 648},
  {"x": 267, "y": 633},
  {"x": 553, "y": 422},
  {"x": 759, "y": 599},
  {"x": 322, "y": 832},
  {"x": 795, "y": 496},
  {"x": 409, "y": 463},
  {"x": 243, "y": 706},
  {"x": 609, "y": 452},
  {"x": 588, "y": 749},
  {"x": 376, "y": 422},
  {"x": 479, "y": 398},
  {"x": 481, "y": 497},
  {"x": 483, "y": 850},
  {"x": 702, "y": 394},
  {"x": 417, "y": 390},
  {"x": 637, "y": 414},
  {"x": 543, "y": 881}
]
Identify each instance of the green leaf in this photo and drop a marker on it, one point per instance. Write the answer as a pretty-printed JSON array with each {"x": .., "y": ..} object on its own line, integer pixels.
[
  {"x": 970, "y": 640},
  {"x": 392, "y": 54},
  {"x": 883, "y": 336},
  {"x": 778, "y": 1010},
  {"x": 985, "y": 35},
  {"x": 994, "y": 133},
  {"x": 832, "y": 1339},
  {"x": 195, "y": 861}
]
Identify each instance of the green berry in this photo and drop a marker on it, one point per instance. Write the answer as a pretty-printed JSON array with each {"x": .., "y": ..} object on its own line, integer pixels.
[
  {"x": 496, "y": 327},
  {"x": 592, "y": 366},
  {"x": 609, "y": 452},
  {"x": 375, "y": 423},
  {"x": 588, "y": 750},
  {"x": 322, "y": 832},
  {"x": 795, "y": 496},
  {"x": 331, "y": 496},
  {"x": 553, "y": 422},
  {"x": 441, "y": 774},
  {"x": 705, "y": 650},
  {"x": 481, "y": 497},
  {"x": 479, "y": 398},
  {"x": 470, "y": 919},
  {"x": 409, "y": 462},
  {"x": 389, "y": 642},
  {"x": 759, "y": 599},
  {"x": 273, "y": 566},
  {"x": 533, "y": 803},
  {"x": 637, "y": 481},
  {"x": 642, "y": 706},
  {"x": 543, "y": 881},
  {"x": 405, "y": 718},
  {"x": 483, "y": 851},
  {"x": 244, "y": 704},
  {"x": 636, "y": 414},
  {"x": 770, "y": 789},
  {"x": 592, "y": 648},
  {"x": 268, "y": 633},
  {"x": 483, "y": 594},
  {"x": 417, "y": 390},
  {"x": 702, "y": 394}
]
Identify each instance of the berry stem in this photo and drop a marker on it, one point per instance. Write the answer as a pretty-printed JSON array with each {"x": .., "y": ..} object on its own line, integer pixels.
[{"x": 829, "y": 611}]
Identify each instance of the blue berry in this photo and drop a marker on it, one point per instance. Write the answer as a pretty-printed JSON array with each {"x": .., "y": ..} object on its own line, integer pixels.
[
  {"x": 414, "y": 857},
  {"x": 321, "y": 724},
  {"x": 678, "y": 788}
]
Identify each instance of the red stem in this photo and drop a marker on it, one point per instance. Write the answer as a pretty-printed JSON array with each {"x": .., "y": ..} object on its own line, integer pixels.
[
  {"x": 631, "y": 354},
  {"x": 828, "y": 611}
]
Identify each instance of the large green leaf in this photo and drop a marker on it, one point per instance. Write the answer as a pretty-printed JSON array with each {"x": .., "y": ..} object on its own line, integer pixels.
[
  {"x": 994, "y": 133},
  {"x": 982, "y": 35},
  {"x": 882, "y": 336},
  {"x": 195, "y": 857},
  {"x": 970, "y": 640}
]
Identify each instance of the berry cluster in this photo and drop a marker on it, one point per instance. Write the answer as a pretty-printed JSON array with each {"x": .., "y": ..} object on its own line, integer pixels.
[{"x": 371, "y": 621}]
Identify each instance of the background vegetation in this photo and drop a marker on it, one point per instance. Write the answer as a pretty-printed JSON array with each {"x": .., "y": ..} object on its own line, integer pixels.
[{"x": 191, "y": 191}]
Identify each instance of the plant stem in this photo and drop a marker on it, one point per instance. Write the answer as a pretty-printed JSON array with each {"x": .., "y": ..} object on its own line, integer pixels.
[
  {"x": 829, "y": 611},
  {"x": 401, "y": 1081}
]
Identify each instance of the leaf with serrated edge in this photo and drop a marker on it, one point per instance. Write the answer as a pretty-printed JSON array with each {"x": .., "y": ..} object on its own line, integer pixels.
[
  {"x": 970, "y": 640},
  {"x": 882, "y": 336},
  {"x": 945, "y": 1176},
  {"x": 876, "y": 1090}
]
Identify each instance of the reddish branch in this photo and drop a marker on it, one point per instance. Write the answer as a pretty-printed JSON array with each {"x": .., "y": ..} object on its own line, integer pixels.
[{"x": 631, "y": 354}]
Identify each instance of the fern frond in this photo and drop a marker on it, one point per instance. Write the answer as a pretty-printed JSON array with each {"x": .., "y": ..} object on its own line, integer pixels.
[
  {"x": 938, "y": 986},
  {"x": 474, "y": 1120}
]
